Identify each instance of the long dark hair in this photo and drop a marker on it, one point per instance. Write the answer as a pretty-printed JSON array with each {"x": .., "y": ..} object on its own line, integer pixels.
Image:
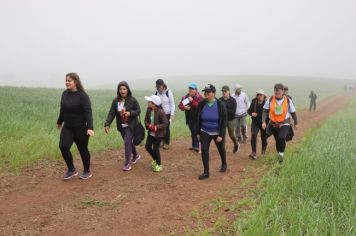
[{"x": 74, "y": 76}]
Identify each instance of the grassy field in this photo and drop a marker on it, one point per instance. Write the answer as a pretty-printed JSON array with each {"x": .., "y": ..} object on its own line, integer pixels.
[
  {"x": 315, "y": 191},
  {"x": 28, "y": 115}
]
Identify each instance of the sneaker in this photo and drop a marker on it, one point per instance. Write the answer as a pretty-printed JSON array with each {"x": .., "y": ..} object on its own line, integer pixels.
[
  {"x": 165, "y": 146},
  {"x": 203, "y": 176},
  {"x": 153, "y": 164},
  {"x": 244, "y": 140},
  {"x": 239, "y": 139},
  {"x": 127, "y": 167},
  {"x": 236, "y": 148},
  {"x": 158, "y": 168},
  {"x": 223, "y": 168},
  {"x": 86, "y": 175},
  {"x": 135, "y": 159},
  {"x": 264, "y": 150},
  {"x": 253, "y": 156},
  {"x": 70, "y": 174},
  {"x": 280, "y": 157}
]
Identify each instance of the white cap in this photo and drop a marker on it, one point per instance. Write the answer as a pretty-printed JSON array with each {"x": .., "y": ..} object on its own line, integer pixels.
[
  {"x": 237, "y": 86},
  {"x": 260, "y": 91},
  {"x": 155, "y": 99}
]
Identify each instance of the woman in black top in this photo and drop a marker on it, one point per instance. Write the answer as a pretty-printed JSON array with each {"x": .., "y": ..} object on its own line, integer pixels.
[
  {"x": 255, "y": 111},
  {"x": 126, "y": 110},
  {"x": 76, "y": 114}
]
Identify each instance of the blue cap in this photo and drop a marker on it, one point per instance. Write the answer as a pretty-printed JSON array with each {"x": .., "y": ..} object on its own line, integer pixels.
[{"x": 193, "y": 86}]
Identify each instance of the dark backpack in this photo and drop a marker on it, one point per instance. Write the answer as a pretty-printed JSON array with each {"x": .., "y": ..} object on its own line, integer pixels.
[{"x": 138, "y": 133}]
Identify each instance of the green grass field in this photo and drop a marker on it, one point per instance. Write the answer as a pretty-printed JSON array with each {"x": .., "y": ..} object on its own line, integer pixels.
[
  {"x": 315, "y": 191},
  {"x": 28, "y": 115}
]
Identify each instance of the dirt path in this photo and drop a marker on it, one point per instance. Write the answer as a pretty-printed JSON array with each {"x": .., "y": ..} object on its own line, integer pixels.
[{"x": 138, "y": 202}]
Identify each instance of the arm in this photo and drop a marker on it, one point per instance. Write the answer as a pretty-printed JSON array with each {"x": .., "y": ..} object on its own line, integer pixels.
[
  {"x": 295, "y": 118},
  {"x": 136, "y": 108},
  {"x": 60, "y": 119},
  {"x": 250, "y": 109},
  {"x": 171, "y": 101},
  {"x": 163, "y": 122},
  {"x": 147, "y": 118},
  {"x": 87, "y": 111},
  {"x": 180, "y": 105},
  {"x": 195, "y": 102},
  {"x": 264, "y": 115},
  {"x": 111, "y": 114},
  {"x": 223, "y": 120}
]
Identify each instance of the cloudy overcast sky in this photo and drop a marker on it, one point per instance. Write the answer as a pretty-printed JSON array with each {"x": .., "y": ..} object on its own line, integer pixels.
[{"x": 41, "y": 40}]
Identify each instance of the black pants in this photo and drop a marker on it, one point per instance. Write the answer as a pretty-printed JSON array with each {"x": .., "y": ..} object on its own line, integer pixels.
[
  {"x": 152, "y": 147},
  {"x": 280, "y": 135},
  {"x": 167, "y": 138},
  {"x": 205, "y": 140},
  {"x": 81, "y": 139},
  {"x": 193, "y": 127},
  {"x": 255, "y": 129},
  {"x": 312, "y": 105}
]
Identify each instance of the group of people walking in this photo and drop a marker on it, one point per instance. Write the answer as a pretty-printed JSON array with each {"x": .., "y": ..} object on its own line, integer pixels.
[{"x": 207, "y": 117}]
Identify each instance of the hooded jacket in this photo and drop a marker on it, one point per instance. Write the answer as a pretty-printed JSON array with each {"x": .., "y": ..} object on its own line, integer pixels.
[{"x": 131, "y": 105}]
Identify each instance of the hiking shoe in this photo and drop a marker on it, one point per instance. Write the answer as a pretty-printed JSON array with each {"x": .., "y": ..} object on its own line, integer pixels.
[
  {"x": 253, "y": 156},
  {"x": 157, "y": 168},
  {"x": 244, "y": 140},
  {"x": 165, "y": 146},
  {"x": 153, "y": 164},
  {"x": 236, "y": 148},
  {"x": 127, "y": 167},
  {"x": 203, "y": 176},
  {"x": 70, "y": 174},
  {"x": 264, "y": 151},
  {"x": 223, "y": 168},
  {"x": 135, "y": 159},
  {"x": 239, "y": 139},
  {"x": 280, "y": 157},
  {"x": 86, "y": 175}
]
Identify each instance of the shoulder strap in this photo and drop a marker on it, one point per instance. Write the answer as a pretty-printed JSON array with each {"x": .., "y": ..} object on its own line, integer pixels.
[{"x": 167, "y": 93}]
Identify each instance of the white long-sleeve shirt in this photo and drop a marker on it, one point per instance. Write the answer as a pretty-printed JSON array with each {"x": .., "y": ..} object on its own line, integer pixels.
[
  {"x": 167, "y": 102},
  {"x": 243, "y": 103}
]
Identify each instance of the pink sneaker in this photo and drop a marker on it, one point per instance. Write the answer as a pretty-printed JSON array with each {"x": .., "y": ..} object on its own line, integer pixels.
[
  {"x": 135, "y": 159},
  {"x": 127, "y": 167}
]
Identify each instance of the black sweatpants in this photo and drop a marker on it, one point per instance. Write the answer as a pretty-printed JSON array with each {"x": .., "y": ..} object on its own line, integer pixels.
[
  {"x": 312, "y": 106},
  {"x": 81, "y": 139},
  {"x": 205, "y": 140},
  {"x": 152, "y": 147},
  {"x": 255, "y": 129},
  {"x": 280, "y": 135}
]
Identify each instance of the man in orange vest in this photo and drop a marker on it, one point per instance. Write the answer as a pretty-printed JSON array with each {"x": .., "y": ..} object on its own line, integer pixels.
[{"x": 280, "y": 109}]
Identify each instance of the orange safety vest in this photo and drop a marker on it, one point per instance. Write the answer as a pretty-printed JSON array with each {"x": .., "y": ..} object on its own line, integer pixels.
[{"x": 278, "y": 118}]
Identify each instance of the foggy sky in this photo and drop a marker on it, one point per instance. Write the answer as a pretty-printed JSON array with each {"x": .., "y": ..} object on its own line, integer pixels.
[{"x": 42, "y": 40}]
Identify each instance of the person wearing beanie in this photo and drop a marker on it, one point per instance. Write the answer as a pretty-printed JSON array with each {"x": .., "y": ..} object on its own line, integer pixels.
[
  {"x": 126, "y": 110},
  {"x": 255, "y": 111},
  {"x": 230, "y": 104},
  {"x": 212, "y": 126},
  {"x": 189, "y": 104},
  {"x": 76, "y": 124},
  {"x": 156, "y": 123},
  {"x": 168, "y": 105},
  {"x": 242, "y": 105},
  {"x": 280, "y": 109}
]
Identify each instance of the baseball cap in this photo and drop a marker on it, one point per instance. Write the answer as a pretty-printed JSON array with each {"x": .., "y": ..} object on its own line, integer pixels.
[
  {"x": 238, "y": 86},
  {"x": 193, "y": 86},
  {"x": 225, "y": 88},
  {"x": 260, "y": 91},
  {"x": 209, "y": 88},
  {"x": 155, "y": 99}
]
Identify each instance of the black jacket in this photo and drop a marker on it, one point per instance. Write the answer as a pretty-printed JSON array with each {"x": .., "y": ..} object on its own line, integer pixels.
[
  {"x": 230, "y": 105},
  {"x": 75, "y": 110},
  {"x": 258, "y": 108},
  {"x": 160, "y": 120},
  {"x": 222, "y": 116},
  {"x": 132, "y": 106}
]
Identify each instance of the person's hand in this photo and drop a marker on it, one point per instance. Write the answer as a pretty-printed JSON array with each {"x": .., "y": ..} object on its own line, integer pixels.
[
  {"x": 90, "y": 132},
  {"x": 171, "y": 119},
  {"x": 218, "y": 139},
  {"x": 264, "y": 126},
  {"x": 106, "y": 129},
  {"x": 126, "y": 114},
  {"x": 296, "y": 126},
  {"x": 59, "y": 126},
  {"x": 254, "y": 114},
  {"x": 190, "y": 98},
  {"x": 187, "y": 108},
  {"x": 198, "y": 137}
]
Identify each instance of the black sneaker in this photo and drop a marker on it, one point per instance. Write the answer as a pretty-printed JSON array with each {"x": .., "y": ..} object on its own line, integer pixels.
[
  {"x": 236, "y": 148},
  {"x": 86, "y": 175},
  {"x": 203, "y": 176},
  {"x": 70, "y": 174},
  {"x": 223, "y": 168}
]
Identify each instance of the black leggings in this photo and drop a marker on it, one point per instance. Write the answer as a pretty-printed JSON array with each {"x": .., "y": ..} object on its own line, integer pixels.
[
  {"x": 152, "y": 147},
  {"x": 255, "y": 129},
  {"x": 167, "y": 137},
  {"x": 280, "y": 135},
  {"x": 205, "y": 140},
  {"x": 81, "y": 139}
]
